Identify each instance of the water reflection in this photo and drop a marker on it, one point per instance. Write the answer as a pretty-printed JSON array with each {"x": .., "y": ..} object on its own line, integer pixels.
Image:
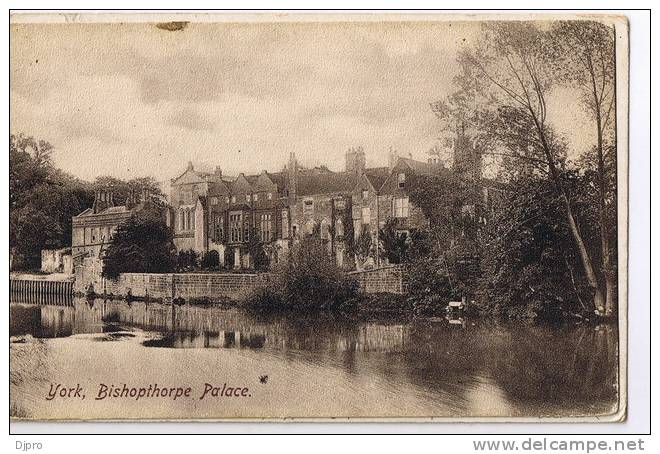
[{"x": 472, "y": 368}]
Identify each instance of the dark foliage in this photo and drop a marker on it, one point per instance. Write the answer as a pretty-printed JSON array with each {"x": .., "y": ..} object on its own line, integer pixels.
[
  {"x": 258, "y": 257},
  {"x": 210, "y": 260},
  {"x": 42, "y": 201},
  {"x": 187, "y": 260},
  {"x": 141, "y": 245},
  {"x": 393, "y": 245},
  {"x": 309, "y": 279}
]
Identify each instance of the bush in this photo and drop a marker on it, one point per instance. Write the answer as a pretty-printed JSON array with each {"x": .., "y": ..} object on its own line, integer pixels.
[
  {"x": 143, "y": 244},
  {"x": 187, "y": 260},
  {"x": 211, "y": 260},
  {"x": 309, "y": 279}
]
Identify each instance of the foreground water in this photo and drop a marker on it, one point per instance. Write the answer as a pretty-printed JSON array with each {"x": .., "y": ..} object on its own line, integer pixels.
[{"x": 295, "y": 366}]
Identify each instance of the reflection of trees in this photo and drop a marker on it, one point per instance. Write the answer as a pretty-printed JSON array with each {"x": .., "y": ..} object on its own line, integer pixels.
[
  {"x": 533, "y": 365},
  {"x": 558, "y": 366}
]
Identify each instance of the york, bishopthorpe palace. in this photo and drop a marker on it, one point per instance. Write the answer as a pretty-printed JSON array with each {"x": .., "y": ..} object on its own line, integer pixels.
[{"x": 214, "y": 214}]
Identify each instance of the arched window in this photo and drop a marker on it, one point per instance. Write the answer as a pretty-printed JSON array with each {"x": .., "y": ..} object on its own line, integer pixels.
[
  {"x": 182, "y": 220},
  {"x": 192, "y": 219}
]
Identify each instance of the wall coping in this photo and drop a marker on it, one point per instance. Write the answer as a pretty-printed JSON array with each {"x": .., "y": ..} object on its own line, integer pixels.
[
  {"x": 374, "y": 270},
  {"x": 195, "y": 274}
]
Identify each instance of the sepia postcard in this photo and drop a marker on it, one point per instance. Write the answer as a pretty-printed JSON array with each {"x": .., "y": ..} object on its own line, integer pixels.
[{"x": 313, "y": 217}]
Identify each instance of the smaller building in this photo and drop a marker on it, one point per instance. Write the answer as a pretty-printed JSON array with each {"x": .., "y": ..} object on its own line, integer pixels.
[{"x": 94, "y": 228}]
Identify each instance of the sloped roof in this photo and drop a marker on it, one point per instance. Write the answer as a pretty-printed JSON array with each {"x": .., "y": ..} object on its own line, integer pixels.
[
  {"x": 377, "y": 176},
  {"x": 279, "y": 178},
  {"x": 422, "y": 167},
  {"x": 121, "y": 209},
  {"x": 325, "y": 182}
]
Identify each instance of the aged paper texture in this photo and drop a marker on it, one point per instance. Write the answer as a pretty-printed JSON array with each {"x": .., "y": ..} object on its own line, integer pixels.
[{"x": 324, "y": 216}]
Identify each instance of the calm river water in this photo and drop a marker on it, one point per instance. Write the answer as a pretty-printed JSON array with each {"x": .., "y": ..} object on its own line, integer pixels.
[{"x": 293, "y": 366}]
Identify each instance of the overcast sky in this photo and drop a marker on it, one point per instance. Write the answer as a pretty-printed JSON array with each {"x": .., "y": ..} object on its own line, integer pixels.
[{"x": 133, "y": 100}]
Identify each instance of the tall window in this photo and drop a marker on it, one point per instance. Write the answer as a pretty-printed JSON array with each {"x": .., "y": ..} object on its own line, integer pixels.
[
  {"x": 192, "y": 219},
  {"x": 218, "y": 228},
  {"x": 235, "y": 227},
  {"x": 325, "y": 229},
  {"x": 256, "y": 197},
  {"x": 246, "y": 231},
  {"x": 265, "y": 227},
  {"x": 269, "y": 196},
  {"x": 400, "y": 207},
  {"x": 401, "y": 178},
  {"x": 366, "y": 215},
  {"x": 182, "y": 220},
  {"x": 365, "y": 194},
  {"x": 248, "y": 197}
]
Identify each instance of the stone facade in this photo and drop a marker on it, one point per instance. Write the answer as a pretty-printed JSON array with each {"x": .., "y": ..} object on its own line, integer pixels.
[
  {"x": 57, "y": 261},
  {"x": 212, "y": 212},
  {"x": 94, "y": 228},
  {"x": 166, "y": 286},
  {"x": 389, "y": 279}
]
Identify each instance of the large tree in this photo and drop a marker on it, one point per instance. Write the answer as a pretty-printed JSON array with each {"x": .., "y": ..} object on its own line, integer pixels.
[
  {"x": 42, "y": 200},
  {"x": 509, "y": 74},
  {"x": 584, "y": 57}
]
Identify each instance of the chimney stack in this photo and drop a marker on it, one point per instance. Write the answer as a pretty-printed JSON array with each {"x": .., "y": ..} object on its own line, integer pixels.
[
  {"x": 355, "y": 160},
  {"x": 292, "y": 177},
  {"x": 392, "y": 158},
  {"x": 102, "y": 200}
]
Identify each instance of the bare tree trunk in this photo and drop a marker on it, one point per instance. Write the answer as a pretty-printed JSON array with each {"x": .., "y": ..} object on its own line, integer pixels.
[
  {"x": 602, "y": 208},
  {"x": 599, "y": 297}
]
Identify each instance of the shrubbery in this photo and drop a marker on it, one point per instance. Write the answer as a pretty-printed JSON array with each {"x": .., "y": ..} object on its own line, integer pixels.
[
  {"x": 143, "y": 244},
  {"x": 309, "y": 279}
]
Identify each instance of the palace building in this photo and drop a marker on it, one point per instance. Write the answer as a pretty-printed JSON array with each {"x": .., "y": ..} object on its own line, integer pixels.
[
  {"x": 221, "y": 217},
  {"x": 213, "y": 214}
]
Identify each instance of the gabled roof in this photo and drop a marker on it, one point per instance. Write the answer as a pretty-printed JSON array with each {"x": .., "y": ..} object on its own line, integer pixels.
[
  {"x": 85, "y": 212},
  {"x": 325, "y": 182},
  {"x": 190, "y": 176},
  {"x": 240, "y": 184},
  {"x": 120, "y": 209},
  {"x": 278, "y": 178},
  {"x": 377, "y": 176},
  {"x": 421, "y": 167},
  {"x": 219, "y": 187}
]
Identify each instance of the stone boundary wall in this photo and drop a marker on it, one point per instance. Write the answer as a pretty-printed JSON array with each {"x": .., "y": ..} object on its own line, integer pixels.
[
  {"x": 167, "y": 286},
  {"x": 389, "y": 279}
]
